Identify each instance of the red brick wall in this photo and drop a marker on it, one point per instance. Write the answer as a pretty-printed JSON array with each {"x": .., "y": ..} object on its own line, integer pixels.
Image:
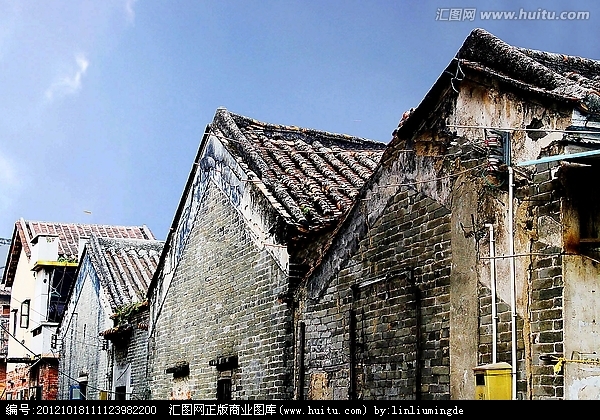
[
  {"x": 17, "y": 382},
  {"x": 21, "y": 380},
  {"x": 2, "y": 381},
  {"x": 48, "y": 378}
]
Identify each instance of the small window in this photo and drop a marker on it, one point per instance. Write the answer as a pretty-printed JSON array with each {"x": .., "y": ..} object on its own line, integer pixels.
[
  {"x": 25, "y": 314},
  {"x": 479, "y": 379},
  {"x": 15, "y": 311},
  {"x": 35, "y": 393},
  {"x": 83, "y": 390},
  {"x": 224, "y": 389},
  {"x": 120, "y": 393},
  {"x": 74, "y": 393},
  {"x": 78, "y": 391}
]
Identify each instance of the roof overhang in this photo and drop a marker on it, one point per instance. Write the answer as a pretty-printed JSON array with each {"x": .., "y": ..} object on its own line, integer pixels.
[
  {"x": 26, "y": 360},
  {"x": 42, "y": 264},
  {"x": 12, "y": 258}
]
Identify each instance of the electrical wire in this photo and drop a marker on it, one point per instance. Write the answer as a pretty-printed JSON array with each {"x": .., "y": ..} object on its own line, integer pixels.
[
  {"x": 426, "y": 181},
  {"x": 57, "y": 357},
  {"x": 17, "y": 340},
  {"x": 539, "y": 130}
]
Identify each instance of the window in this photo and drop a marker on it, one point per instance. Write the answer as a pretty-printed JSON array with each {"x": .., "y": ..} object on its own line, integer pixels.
[
  {"x": 15, "y": 311},
  {"x": 35, "y": 393},
  {"x": 25, "y": 314},
  {"x": 581, "y": 211},
  {"x": 74, "y": 393},
  {"x": 78, "y": 391},
  {"x": 224, "y": 389},
  {"x": 120, "y": 392},
  {"x": 83, "y": 390}
]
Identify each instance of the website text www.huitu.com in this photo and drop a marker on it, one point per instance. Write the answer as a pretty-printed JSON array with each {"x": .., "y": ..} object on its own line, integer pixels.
[{"x": 457, "y": 14}]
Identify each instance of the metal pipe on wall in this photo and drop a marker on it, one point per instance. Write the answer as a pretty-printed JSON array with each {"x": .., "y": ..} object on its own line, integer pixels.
[
  {"x": 493, "y": 289},
  {"x": 513, "y": 291},
  {"x": 352, "y": 388},
  {"x": 301, "y": 338}
]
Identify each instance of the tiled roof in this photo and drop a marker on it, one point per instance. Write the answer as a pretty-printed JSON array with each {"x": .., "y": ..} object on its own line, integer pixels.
[
  {"x": 124, "y": 267},
  {"x": 314, "y": 175},
  {"x": 557, "y": 75},
  {"x": 68, "y": 234},
  {"x": 565, "y": 78}
]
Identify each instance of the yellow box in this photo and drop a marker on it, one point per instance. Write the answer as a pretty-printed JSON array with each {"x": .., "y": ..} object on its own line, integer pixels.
[{"x": 493, "y": 381}]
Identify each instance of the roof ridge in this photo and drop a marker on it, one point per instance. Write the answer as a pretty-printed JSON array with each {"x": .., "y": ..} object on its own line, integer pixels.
[
  {"x": 81, "y": 224},
  {"x": 486, "y": 49},
  {"x": 287, "y": 160},
  {"x": 304, "y": 130}
]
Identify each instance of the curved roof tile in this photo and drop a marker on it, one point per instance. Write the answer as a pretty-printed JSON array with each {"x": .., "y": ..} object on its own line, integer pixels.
[{"x": 314, "y": 175}]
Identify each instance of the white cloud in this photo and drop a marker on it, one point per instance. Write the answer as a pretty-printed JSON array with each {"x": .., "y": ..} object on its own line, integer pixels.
[
  {"x": 7, "y": 172},
  {"x": 69, "y": 85},
  {"x": 9, "y": 182},
  {"x": 129, "y": 10}
]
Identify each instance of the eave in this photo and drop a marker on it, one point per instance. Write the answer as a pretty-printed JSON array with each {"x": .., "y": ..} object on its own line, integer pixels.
[{"x": 42, "y": 264}]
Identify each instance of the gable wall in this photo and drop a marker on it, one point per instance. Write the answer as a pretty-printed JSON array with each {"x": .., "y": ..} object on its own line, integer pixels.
[
  {"x": 222, "y": 301},
  {"x": 538, "y": 278},
  {"x": 23, "y": 288},
  {"x": 81, "y": 346},
  {"x": 361, "y": 334}
]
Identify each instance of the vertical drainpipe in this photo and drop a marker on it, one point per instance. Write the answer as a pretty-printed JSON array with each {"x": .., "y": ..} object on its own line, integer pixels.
[
  {"x": 352, "y": 373},
  {"x": 493, "y": 288},
  {"x": 513, "y": 297},
  {"x": 302, "y": 335},
  {"x": 417, "y": 296},
  {"x": 111, "y": 362},
  {"x": 352, "y": 345}
]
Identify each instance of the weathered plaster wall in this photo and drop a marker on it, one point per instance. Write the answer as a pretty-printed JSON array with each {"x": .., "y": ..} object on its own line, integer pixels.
[
  {"x": 581, "y": 268},
  {"x": 538, "y": 280},
  {"x": 23, "y": 289},
  {"x": 463, "y": 291},
  {"x": 491, "y": 105},
  {"x": 582, "y": 328},
  {"x": 475, "y": 203}
]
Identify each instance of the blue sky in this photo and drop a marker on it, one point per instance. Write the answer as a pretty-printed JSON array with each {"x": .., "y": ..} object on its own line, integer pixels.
[{"x": 103, "y": 103}]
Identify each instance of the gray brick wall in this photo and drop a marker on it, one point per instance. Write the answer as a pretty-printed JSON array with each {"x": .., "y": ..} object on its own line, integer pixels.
[
  {"x": 543, "y": 328},
  {"x": 503, "y": 337},
  {"x": 82, "y": 349},
  {"x": 373, "y": 302},
  {"x": 131, "y": 355},
  {"x": 545, "y": 276},
  {"x": 223, "y": 301}
]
